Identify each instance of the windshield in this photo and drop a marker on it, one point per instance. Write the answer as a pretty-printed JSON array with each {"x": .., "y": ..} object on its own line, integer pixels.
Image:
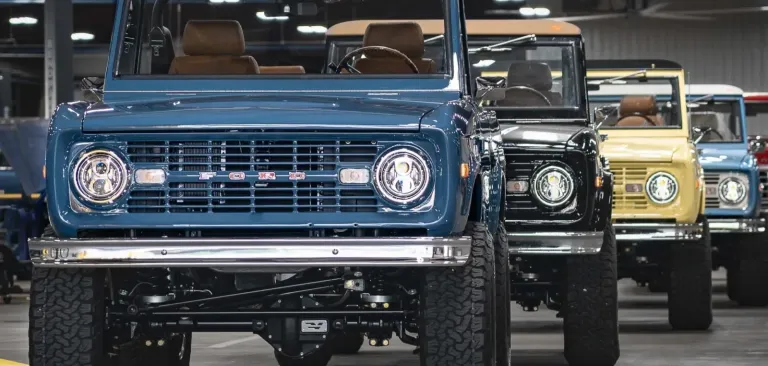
[
  {"x": 716, "y": 121},
  {"x": 536, "y": 73},
  {"x": 636, "y": 102},
  {"x": 286, "y": 38}
]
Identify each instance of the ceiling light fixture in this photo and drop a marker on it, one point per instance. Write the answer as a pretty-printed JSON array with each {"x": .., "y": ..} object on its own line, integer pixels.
[
  {"x": 313, "y": 29},
  {"x": 263, "y": 16},
  {"x": 223, "y": 1},
  {"x": 484, "y": 63},
  {"x": 23, "y": 21},
  {"x": 528, "y": 11},
  {"x": 82, "y": 36}
]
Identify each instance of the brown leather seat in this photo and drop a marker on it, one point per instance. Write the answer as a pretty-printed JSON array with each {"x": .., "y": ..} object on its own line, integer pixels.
[
  {"x": 282, "y": 70},
  {"x": 407, "y": 38},
  {"x": 638, "y": 111},
  {"x": 534, "y": 75},
  {"x": 214, "y": 47}
]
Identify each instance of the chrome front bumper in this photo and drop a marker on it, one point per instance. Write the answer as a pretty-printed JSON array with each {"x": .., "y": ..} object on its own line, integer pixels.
[
  {"x": 737, "y": 225},
  {"x": 249, "y": 253},
  {"x": 658, "y": 231},
  {"x": 555, "y": 243}
]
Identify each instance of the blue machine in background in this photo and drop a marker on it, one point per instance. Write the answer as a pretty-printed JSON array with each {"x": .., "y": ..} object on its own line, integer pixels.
[{"x": 22, "y": 196}]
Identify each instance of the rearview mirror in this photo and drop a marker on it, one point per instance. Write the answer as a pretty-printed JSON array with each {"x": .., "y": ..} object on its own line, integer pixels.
[{"x": 93, "y": 89}]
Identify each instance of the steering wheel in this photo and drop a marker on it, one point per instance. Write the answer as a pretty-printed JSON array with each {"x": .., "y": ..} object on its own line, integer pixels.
[
  {"x": 705, "y": 131},
  {"x": 530, "y": 90},
  {"x": 344, "y": 62},
  {"x": 647, "y": 121}
]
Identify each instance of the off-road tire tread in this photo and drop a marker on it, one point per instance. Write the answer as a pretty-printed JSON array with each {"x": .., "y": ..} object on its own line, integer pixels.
[
  {"x": 591, "y": 323},
  {"x": 690, "y": 284},
  {"x": 751, "y": 277},
  {"x": 66, "y": 317},
  {"x": 503, "y": 297},
  {"x": 456, "y": 324}
]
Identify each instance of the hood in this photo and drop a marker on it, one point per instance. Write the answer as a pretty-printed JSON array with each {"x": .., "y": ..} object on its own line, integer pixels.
[
  {"x": 258, "y": 112},
  {"x": 720, "y": 156},
  {"x": 23, "y": 144},
  {"x": 540, "y": 134},
  {"x": 657, "y": 150}
]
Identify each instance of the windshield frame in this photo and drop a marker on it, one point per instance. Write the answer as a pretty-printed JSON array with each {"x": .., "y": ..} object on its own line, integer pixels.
[
  {"x": 741, "y": 114},
  {"x": 452, "y": 81},
  {"x": 553, "y": 114},
  {"x": 677, "y": 95}
]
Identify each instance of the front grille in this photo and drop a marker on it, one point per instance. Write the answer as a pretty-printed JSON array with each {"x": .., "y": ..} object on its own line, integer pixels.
[
  {"x": 764, "y": 182},
  {"x": 624, "y": 175},
  {"x": 711, "y": 180},
  {"x": 296, "y": 176}
]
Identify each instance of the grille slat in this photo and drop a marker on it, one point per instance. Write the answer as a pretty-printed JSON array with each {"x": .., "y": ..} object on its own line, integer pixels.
[
  {"x": 711, "y": 199},
  {"x": 313, "y": 193},
  {"x": 622, "y": 176}
]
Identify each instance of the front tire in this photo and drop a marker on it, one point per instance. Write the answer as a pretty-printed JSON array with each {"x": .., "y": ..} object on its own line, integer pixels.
[
  {"x": 503, "y": 301},
  {"x": 66, "y": 317},
  {"x": 690, "y": 287},
  {"x": 456, "y": 323},
  {"x": 748, "y": 273},
  {"x": 591, "y": 321}
]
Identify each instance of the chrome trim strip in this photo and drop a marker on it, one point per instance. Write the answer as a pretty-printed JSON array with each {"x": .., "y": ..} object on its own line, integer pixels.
[
  {"x": 250, "y": 253},
  {"x": 555, "y": 243},
  {"x": 737, "y": 225},
  {"x": 658, "y": 231}
]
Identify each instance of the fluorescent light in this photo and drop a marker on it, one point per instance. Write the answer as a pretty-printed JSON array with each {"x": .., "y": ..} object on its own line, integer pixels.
[
  {"x": 81, "y": 36},
  {"x": 484, "y": 63},
  {"x": 541, "y": 12},
  {"x": 527, "y": 11},
  {"x": 315, "y": 29},
  {"x": 23, "y": 21},
  {"x": 263, "y": 16},
  {"x": 223, "y": 1}
]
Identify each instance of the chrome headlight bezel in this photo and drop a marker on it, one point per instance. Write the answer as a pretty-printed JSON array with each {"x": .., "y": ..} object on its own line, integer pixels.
[
  {"x": 385, "y": 165},
  {"x": 740, "y": 182},
  {"x": 566, "y": 178},
  {"x": 650, "y": 190},
  {"x": 121, "y": 168}
]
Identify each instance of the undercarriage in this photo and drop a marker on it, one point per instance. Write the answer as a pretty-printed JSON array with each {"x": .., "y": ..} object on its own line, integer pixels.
[{"x": 297, "y": 313}]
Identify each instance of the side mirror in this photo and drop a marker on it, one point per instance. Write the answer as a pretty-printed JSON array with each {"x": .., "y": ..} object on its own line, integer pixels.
[
  {"x": 93, "y": 89},
  {"x": 757, "y": 146}
]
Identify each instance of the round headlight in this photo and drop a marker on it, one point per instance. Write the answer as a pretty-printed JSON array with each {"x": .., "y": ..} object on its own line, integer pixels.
[
  {"x": 100, "y": 176},
  {"x": 732, "y": 190},
  {"x": 662, "y": 188},
  {"x": 401, "y": 176},
  {"x": 552, "y": 186}
]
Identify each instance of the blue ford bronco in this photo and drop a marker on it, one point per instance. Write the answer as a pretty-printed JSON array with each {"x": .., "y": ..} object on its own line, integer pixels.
[
  {"x": 227, "y": 180},
  {"x": 733, "y": 189}
]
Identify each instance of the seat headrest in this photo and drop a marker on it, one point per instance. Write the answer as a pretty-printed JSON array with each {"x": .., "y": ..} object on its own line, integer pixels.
[
  {"x": 536, "y": 75},
  {"x": 213, "y": 38},
  {"x": 644, "y": 105},
  {"x": 406, "y": 37}
]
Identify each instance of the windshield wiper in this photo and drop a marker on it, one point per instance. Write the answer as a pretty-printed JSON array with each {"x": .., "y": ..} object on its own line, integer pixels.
[
  {"x": 489, "y": 48},
  {"x": 434, "y": 39},
  {"x": 702, "y": 99},
  {"x": 611, "y": 80}
]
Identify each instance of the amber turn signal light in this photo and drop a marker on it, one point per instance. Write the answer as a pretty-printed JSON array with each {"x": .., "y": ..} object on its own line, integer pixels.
[
  {"x": 464, "y": 170},
  {"x": 598, "y": 181}
]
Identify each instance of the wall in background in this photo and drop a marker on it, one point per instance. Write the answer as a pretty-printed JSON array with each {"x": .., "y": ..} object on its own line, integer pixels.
[{"x": 724, "y": 51}]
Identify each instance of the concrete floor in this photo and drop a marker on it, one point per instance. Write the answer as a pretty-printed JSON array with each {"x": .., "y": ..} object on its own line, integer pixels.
[{"x": 738, "y": 337}]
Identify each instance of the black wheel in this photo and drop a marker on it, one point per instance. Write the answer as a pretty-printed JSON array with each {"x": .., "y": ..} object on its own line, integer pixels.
[
  {"x": 503, "y": 305},
  {"x": 347, "y": 343},
  {"x": 318, "y": 358},
  {"x": 456, "y": 322},
  {"x": 750, "y": 275},
  {"x": 690, "y": 283},
  {"x": 66, "y": 317},
  {"x": 591, "y": 321}
]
